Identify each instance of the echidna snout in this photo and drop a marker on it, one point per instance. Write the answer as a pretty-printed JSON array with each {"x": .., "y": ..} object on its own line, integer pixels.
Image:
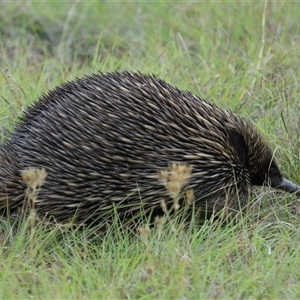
[
  {"x": 271, "y": 175},
  {"x": 289, "y": 186},
  {"x": 277, "y": 181},
  {"x": 132, "y": 142}
]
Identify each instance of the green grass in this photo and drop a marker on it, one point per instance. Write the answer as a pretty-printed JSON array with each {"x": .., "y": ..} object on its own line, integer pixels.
[{"x": 240, "y": 55}]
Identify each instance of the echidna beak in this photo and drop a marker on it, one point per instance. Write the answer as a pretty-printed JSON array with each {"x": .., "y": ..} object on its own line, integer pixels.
[{"x": 289, "y": 186}]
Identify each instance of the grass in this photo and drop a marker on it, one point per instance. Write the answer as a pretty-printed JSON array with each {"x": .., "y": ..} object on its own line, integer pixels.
[{"x": 240, "y": 55}]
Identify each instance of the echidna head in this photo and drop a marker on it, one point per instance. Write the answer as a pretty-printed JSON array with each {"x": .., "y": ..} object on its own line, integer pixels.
[
  {"x": 269, "y": 173},
  {"x": 262, "y": 166},
  {"x": 277, "y": 181}
]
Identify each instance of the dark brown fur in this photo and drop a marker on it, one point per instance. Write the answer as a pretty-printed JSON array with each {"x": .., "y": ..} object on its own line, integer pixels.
[{"x": 103, "y": 139}]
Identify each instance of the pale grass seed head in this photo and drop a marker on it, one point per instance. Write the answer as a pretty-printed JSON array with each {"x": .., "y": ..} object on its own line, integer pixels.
[
  {"x": 144, "y": 232},
  {"x": 34, "y": 179},
  {"x": 189, "y": 196},
  {"x": 175, "y": 178},
  {"x": 159, "y": 223}
]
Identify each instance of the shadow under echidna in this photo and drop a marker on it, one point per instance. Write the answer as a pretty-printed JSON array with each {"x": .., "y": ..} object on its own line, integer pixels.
[{"x": 129, "y": 141}]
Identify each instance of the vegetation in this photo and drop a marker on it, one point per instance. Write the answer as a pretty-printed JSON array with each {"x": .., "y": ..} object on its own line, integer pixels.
[{"x": 240, "y": 55}]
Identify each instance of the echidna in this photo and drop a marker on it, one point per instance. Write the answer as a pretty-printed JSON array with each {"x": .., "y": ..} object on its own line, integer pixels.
[{"x": 115, "y": 138}]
